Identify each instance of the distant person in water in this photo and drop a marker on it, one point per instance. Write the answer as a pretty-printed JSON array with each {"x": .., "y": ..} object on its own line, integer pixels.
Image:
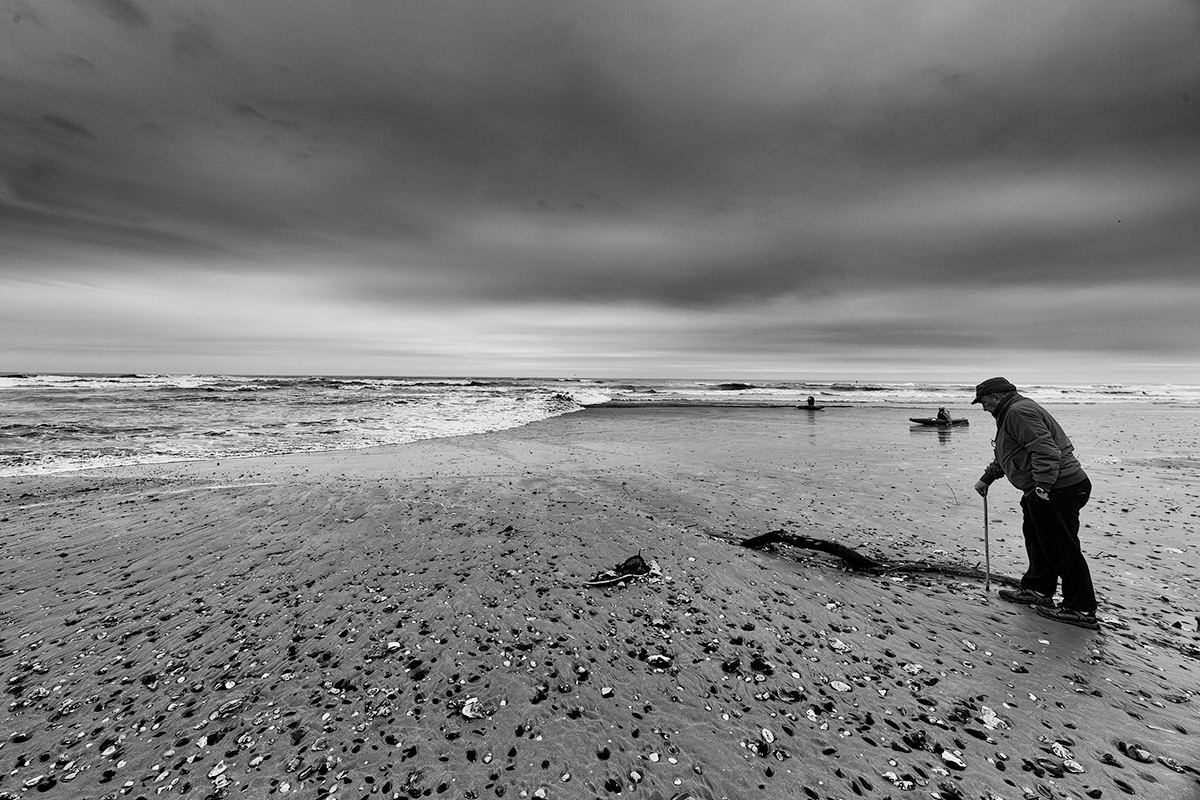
[
  {"x": 811, "y": 402},
  {"x": 943, "y": 415},
  {"x": 1034, "y": 453}
]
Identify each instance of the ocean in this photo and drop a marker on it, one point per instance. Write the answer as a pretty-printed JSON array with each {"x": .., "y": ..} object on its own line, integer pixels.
[{"x": 57, "y": 423}]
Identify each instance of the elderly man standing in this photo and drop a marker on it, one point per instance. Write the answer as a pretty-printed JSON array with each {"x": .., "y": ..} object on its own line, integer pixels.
[{"x": 1034, "y": 453}]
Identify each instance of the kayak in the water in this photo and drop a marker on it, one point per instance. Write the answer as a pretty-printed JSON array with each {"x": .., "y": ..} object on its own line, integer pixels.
[
  {"x": 811, "y": 408},
  {"x": 939, "y": 423}
]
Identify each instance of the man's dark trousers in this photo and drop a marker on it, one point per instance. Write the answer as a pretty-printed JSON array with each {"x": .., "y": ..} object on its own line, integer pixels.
[{"x": 1051, "y": 529}]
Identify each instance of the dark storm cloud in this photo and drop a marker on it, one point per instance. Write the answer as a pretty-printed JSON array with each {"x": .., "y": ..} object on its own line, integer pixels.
[
  {"x": 61, "y": 200},
  {"x": 123, "y": 12},
  {"x": 194, "y": 39},
  {"x": 61, "y": 124},
  {"x": 681, "y": 155},
  {"x": 83, "y": 230},
  {"x": 676, "y": 110}
]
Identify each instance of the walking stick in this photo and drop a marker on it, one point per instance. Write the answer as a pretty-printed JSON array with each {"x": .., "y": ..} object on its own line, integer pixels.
[{"x": 987, "y": 555}]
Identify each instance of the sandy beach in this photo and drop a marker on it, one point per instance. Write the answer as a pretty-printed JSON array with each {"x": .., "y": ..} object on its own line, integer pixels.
[{"x": 412, "y": 621}]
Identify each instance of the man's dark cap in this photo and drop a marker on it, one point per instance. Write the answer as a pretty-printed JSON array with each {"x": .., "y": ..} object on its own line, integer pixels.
[{"x": 992, "y": 386}]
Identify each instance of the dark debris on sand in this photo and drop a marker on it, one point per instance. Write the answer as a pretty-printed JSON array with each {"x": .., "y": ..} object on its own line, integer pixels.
[{"x": 858, "y": 562}]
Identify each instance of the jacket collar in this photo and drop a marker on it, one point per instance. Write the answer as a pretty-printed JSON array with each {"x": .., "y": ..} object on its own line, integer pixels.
[{"x": 1005, "y": 405}]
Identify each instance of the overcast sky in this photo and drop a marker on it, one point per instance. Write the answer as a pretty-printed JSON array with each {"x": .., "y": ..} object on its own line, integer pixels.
[{"x": 759, "y": 190}]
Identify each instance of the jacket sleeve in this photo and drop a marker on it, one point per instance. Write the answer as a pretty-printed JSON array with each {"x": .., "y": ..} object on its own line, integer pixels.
[
  {"x": 1030, "y": 430},
  {"x": 992, "y": 473}
]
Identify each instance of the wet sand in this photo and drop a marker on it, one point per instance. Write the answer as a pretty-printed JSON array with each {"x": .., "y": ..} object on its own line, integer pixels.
[{"x": 412, "y": 621}]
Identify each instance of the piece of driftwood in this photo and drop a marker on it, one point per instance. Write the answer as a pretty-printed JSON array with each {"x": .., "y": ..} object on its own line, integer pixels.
[{"x": 857, "y": 562}]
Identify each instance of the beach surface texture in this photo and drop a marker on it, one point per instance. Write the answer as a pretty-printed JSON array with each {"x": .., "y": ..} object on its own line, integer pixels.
[{"x": 413, "y": 621}]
